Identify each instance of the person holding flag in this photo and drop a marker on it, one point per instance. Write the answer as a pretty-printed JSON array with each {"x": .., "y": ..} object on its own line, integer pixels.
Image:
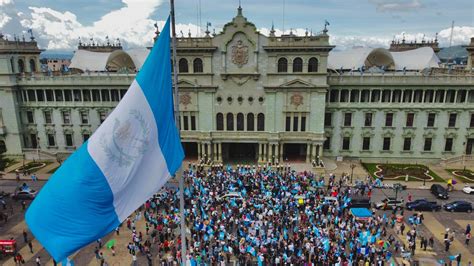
[{"x": 131, "y": 156}]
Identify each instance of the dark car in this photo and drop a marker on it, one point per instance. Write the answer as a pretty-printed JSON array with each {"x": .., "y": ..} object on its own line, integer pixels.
[
  {"x": 360, "y": 202},
  {"x": 399, "y": 186},
  {"x": 389, "y": 204},
  {"x": 458, "y": 206},
  {"x": 439, "y": 191},
  {"x": 423, "y": 205},
  {"x": 24, "y": 195}
]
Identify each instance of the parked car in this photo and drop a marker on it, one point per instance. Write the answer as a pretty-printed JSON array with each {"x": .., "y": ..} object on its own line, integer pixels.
[
  {"x": 360, "y": 202},
  {"x": 389, "y": 204},
  {"x": 423, "y": 205},
  {"x": 439, "y": 191},
  {"x": 468, "y": 189},
  {"x": 24, "y": 195},
  {"x": 231, "y": 195},
  {"x": 399, "y": 186},
  {"x": 458, "y": 206},
  {"x": 329, "y": 200}
]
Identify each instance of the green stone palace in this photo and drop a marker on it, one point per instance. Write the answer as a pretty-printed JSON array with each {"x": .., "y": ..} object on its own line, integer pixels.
[{"x": 245, "y": 96}]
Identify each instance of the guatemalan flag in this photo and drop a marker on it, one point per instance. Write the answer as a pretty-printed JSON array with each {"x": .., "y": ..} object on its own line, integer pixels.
[{"x": 129, "y": 158}]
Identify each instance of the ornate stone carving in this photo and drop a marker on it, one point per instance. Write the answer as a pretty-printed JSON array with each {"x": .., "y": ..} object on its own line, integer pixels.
[
  {"x": 240, "y": 54},
  {"x": 185, "y": 99},
  {"x": 296, "y": 99}
]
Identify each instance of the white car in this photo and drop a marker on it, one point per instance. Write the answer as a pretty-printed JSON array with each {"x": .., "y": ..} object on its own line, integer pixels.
[
  {"x": 231, "y": 195},
  {"x": 468, "y": 189},
  {"x": 389, "y": 204}
]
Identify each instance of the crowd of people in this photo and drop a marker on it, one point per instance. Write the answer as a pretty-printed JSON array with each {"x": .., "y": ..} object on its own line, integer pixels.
[{"x": 265, "y": 216}]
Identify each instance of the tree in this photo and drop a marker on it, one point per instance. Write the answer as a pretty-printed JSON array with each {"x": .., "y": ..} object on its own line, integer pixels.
[{"x": 3, "y": 162}]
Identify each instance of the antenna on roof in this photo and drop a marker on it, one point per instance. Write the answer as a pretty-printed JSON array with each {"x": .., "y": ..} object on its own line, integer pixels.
[
  {"x": 283, "y": 18},
  {"x": 451, "y": 37}
]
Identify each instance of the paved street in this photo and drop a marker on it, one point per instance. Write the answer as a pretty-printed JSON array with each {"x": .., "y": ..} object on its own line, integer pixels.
[{"x": 433, "y": 225}]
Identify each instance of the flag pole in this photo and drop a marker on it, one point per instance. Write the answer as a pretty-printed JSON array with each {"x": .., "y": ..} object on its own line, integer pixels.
[{"x": 176, "y": 118}]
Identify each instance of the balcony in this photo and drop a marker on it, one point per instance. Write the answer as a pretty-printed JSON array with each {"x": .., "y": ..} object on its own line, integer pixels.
[{"x": 398, "y": 79}]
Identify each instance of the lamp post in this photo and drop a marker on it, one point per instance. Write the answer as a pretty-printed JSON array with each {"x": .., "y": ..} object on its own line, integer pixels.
[
  {"x": 352, "y": 170},
  {"x": 424, "y": 179},
  {"x": 464, "y": 159}
]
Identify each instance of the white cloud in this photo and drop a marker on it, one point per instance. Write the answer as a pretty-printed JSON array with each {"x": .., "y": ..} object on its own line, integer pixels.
[
  {"x": 5, "y": 2},
  {"x": 461, "y": 35},
  {"x": 132, "y": 24},
  {"x": 396, "y": 5},
  {"x": 4, "y": 18}
]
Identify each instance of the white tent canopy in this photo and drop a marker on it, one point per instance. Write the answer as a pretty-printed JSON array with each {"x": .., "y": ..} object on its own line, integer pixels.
[
  {"x": 103, "y": 61},
  {"x": 417, "y": 59}
]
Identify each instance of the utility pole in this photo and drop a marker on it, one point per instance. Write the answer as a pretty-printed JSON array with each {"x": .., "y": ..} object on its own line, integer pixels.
[
  {"x": 176, "y": 117},
  {"x": 352, "y": 170},
  {"x": 451, "y": 37}
]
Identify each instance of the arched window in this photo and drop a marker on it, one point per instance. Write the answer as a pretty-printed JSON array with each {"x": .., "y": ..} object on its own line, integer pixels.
[
  {"x": 32, "y": 65},
  {"x": 240, "y": 122},
  {"x": 220, "y": 121},
  {"x": 183, "y": 65},
  {"x": 261, "y": 122},
  {"x": 230, "y": 121},
  {"x": 313, "y": 64},
  {"x": 250, "y": 122},
  {"x": 3, "y": 147},
  {"x": 282, "y": 65},
  {"x": 297, "y": 65},
  {"x": 197, "y": 65},
  {"x": 21, "y": 66}
]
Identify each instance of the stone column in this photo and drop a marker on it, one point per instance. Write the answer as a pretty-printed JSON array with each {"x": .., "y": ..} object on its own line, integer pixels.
[
  {"x": 225, "y": 121},
  {"x": 299, "y": 122},
  {"x": 245, "y": 122},
  {"x": 265, "y": 152},
  {"x": 277, "y": 152},
  {"x": 319, "y": 151},
  {"x": 220, "y": 151},
  {"x": 199, "y": 150},
  {"x": 270, "y": 154},
  {"x": 234, "y": 122},
  {"x": 292, "y": 121},
  {"x": 281, "y": 153},
  {"x": 313, "y": 152},
  {"x": 214, "y": 153},
  {"x": 308, "y": 152}
]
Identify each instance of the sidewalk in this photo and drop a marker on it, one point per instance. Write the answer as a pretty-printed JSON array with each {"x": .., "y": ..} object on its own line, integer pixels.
[{"x": 438, "y": 231}]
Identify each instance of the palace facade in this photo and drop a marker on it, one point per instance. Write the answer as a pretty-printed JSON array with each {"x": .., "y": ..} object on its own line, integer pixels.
[{"x": 244, "y": 96}]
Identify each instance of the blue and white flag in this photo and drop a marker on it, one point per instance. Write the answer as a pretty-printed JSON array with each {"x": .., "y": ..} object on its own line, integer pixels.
[{"x": 128, "y": 159}]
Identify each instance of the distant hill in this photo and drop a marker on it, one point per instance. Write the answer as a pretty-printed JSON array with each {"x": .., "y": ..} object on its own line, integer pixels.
[
  {"x": 452, "y": 52},
  {"x": 56, "y": 54}
]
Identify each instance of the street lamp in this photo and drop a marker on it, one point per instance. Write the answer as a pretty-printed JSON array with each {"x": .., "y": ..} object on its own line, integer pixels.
[
  {"x": 464, "y": 159},
  {"x": 424, "y": 179},
  {"x": 352, "y": 170}
]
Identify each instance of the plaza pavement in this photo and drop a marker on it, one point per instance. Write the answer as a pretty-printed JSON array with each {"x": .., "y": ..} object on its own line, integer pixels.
[{"x": 432, "y": 226}]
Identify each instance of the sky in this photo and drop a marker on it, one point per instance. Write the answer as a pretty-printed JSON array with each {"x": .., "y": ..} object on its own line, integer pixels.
[{"x": 58, "y": 24}]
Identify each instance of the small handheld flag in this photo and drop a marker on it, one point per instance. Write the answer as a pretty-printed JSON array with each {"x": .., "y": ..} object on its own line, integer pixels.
[{"x": 128, "y": 159}]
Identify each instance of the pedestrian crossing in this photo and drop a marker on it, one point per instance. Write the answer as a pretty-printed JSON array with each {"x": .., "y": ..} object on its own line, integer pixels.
[
  {"x": 26, "y": 253},
  {"x": 122, "y": 256},
  {"x": 438, "y": 231},
  {"x": 418, "y": 250}
]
